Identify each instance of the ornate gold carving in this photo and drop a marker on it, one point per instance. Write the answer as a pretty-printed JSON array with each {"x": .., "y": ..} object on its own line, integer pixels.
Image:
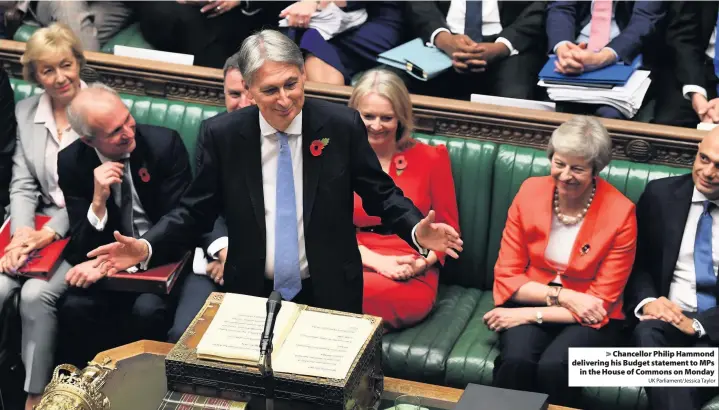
[{"x": 73, "y": 389}]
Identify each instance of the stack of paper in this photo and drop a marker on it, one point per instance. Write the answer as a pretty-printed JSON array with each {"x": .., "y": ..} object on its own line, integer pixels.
[
  {"x": 627, "y": 98},
  {"x": 332, "y": 20}
]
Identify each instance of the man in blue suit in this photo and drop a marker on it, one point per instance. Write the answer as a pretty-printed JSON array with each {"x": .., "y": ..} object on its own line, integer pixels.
[{"x": 569, "y": 32}]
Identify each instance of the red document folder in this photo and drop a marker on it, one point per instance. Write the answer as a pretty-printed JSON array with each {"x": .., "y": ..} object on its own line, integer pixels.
[
  {"x": 157, "y": 280},
  {"x": 42, "y": 262}
]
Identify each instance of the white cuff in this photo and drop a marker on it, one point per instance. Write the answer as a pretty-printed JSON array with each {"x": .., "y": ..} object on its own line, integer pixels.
[
  {"x": 702, "y": 332},
  {"x": 512, "y": 51},
  {"x": 641, "y": 305},
  {"x": 616, "y": 56},
  {"x": 199, "y": 262},
  {"x": 436, "y": 32},
  {"x": 216, "y": 246},
  {"x": 143, "y": 265},
  {"x": 687, "y": 90},
  {"x": 556, "y": 46},
  {"x": 95, "y": 221},
  {"x": 422, "y": 251}
]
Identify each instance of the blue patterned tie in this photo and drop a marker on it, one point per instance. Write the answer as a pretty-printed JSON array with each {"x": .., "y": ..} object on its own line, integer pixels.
[
  {"x": 287, "y": 254},
  {"x": 703, "y": 261},
  {"x": 716, "y": 54},
  {"x": 473, "y": 20}
]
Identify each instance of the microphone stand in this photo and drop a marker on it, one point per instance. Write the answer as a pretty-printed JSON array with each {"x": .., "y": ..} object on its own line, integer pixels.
[{"x": 274, "y": 303}]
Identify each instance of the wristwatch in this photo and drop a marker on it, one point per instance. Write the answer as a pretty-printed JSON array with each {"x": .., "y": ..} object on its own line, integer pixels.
[
  {"x": 697, "y": 328},
  {"x": 540, "y": 320}
]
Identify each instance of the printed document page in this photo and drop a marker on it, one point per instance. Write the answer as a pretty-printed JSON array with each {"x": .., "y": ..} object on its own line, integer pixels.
[{"x": 323, "y": 345}]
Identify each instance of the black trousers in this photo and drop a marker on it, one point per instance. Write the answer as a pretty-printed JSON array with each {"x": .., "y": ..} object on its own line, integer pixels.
[
  {"x": 657, "y": 333},
  {"x": 672, "y": 108},
  {"x": 512, "y": 77},
  {"x": 535, "y": 357},
  {"x": 92, "y": 320}
]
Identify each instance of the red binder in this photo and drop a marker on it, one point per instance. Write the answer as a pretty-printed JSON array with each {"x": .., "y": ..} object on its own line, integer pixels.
[
  {"x": 159, "y": 280},
  {"x": 41, "y": 262}
]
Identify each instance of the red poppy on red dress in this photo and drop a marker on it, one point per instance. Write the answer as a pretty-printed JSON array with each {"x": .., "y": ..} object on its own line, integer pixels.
[
  {"x": 400, "y": 163},
  {"x": 144, "y": 175},
  {"x": 317, "y": 146}
]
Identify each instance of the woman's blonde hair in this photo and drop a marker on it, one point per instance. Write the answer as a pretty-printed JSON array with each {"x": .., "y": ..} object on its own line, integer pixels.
[
  {"x": 388, "y": 85},
  {"x": 56, "y": 38}
]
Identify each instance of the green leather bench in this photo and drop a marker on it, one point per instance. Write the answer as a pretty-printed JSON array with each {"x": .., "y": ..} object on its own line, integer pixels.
[
  {"x": 129, "y": 36},
  {"x": 452, "y": 346}
]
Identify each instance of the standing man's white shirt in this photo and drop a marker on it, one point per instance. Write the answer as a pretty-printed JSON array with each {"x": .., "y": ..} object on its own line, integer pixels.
[{"x": 270, "y": 149}]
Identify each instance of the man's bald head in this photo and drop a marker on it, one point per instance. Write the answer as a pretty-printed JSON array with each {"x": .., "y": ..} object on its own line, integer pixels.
[
  {"x": 705, "y": 171},
  {"x": 103, "y": 121}
]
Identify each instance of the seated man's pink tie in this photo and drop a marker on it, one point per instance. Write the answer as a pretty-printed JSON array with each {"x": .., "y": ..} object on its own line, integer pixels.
[{"x": 601, "y": 24}]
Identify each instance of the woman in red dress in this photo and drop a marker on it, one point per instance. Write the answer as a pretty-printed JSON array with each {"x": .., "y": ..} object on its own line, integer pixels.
[{"x": 399, "y": 285}]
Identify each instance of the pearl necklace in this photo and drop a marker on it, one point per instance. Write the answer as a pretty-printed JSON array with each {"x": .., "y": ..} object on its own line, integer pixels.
[{"x": 572, "y": 220}]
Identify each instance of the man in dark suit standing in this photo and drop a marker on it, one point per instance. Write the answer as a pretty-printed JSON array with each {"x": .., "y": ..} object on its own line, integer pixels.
[
  {"x": 673, "y": 287},
  {"x": 588, "y": 35},
  {"x": 283, "y": 173},
  {"x": 119, "y": 176},
  {"x": 497, "y": 47},
  {"x": 688, "y": 94}
]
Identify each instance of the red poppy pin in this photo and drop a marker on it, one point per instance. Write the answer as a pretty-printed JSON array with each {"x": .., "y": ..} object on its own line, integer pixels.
[
  {"x": 400, "y": 163},
  {"x": 144, "y": 175},
  {"x": 318, "y": 145}
]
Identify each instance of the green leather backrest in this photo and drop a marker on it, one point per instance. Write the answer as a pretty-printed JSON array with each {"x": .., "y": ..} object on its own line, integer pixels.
[
  {"x": 185, "y": 118},
  {"x": 515, "y": 164},
  {"x": 129, "y": 36},
  {"x": 472, "y": 173}
]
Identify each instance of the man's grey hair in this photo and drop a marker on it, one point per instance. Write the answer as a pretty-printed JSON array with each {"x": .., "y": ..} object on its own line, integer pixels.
[
  {"x": 232, "y": 62},
  {"x": 78, "y": 118},
  {"x": 583, "y": 137},
  {"x": 267, "y": 45}
]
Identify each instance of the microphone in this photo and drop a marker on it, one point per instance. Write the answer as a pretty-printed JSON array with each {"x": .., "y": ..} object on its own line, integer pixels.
[{"x": 274, "y": 303}]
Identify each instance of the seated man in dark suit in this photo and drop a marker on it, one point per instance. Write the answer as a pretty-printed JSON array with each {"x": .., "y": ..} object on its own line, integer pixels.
[
  {"x": 119, "y": 176},
  {"x": 8, "y": 133},
  {"x": 587, "y": 35},
  {"x": 496, "y": 46},
  {"x": 673, "y": 286},
  {"x": 688, "y": 94}
]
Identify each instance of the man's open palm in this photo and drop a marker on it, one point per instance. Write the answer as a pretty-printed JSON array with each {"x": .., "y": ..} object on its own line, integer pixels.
[
  {"x": 119, "y": 256},
  {"x": 438, "y": 237}
]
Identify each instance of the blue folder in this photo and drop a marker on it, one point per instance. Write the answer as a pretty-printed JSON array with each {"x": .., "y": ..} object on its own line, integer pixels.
[
  {"x": 615, "y": 74},
  {"x": 418, "y": 60}
]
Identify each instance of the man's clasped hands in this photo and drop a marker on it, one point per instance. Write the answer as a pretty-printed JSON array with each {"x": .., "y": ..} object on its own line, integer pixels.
[{"x": 467, "y": 55}]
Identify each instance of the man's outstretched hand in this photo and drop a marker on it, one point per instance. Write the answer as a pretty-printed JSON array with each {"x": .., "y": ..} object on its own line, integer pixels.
[
  {"x": 438, "y": 237},
  {"x": 119, "y": 256}
]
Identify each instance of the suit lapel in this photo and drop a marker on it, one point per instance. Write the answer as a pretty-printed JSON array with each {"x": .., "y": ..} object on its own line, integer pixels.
[
  {"x": 311, "y": 165},
  {"x": 678, "y": 204},
  {"x": 37, "y": 147},
  {"x": 545, "y": 211},
  {"x": 251, "y": 160},
  {"x": 138, "y": 166}
]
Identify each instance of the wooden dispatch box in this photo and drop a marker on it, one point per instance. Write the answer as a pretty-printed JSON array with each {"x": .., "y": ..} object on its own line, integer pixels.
[{"x": 360, "y": 389}]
